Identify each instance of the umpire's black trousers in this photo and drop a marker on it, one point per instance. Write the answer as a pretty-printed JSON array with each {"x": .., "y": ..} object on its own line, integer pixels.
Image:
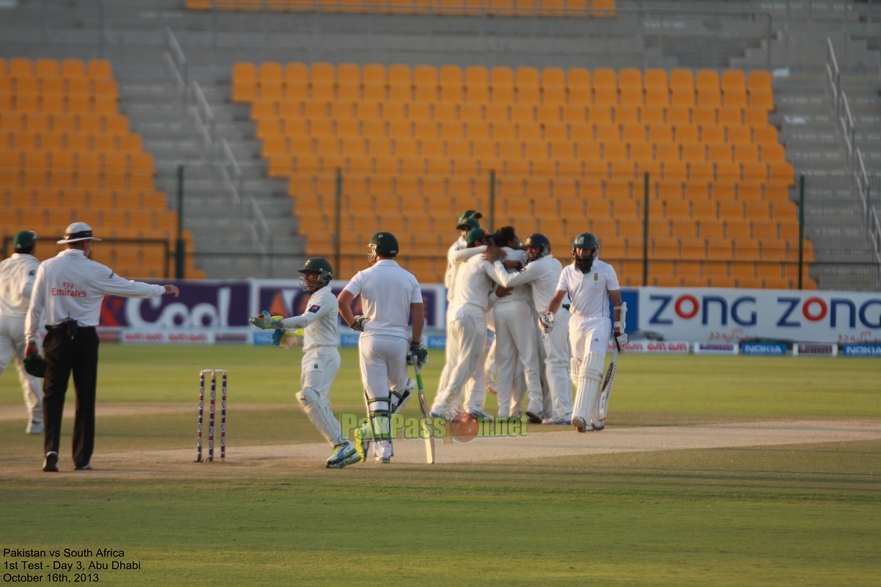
[{"x": 71, "y": 349}]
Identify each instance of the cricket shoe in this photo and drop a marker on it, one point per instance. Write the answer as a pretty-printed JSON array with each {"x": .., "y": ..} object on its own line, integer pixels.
[
  {"x": 445, "y": 415},
  {"x": 86, "y": 467},
  {"x": 480, "y": 414},
  {"x": 533, "y": 417},
  {"x": 566, "y": 420},
  {"x": 361, "y": 442},
  {"x": 583, "y": 426},
  {"x": 383, "y": 460},
  {"x": 34, "y": 427},
  {"x": 343, "y": 455},
  {"x": 50, "y": 465}
]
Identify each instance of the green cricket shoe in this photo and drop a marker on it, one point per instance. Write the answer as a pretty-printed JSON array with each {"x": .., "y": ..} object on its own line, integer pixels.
[
  {"x": 343, "y": 455},
  {"x": 360, "y": 441}
]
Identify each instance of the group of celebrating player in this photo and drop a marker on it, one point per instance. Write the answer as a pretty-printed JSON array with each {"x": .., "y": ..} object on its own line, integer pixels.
[{"x": 551, "y": 324}]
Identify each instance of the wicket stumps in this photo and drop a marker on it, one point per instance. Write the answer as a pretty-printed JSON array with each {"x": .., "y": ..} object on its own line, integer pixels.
[{"x": 213, "y": 373}]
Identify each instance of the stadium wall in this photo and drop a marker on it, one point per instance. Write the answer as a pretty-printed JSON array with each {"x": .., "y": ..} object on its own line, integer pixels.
[{"x": 215, "y": 312}]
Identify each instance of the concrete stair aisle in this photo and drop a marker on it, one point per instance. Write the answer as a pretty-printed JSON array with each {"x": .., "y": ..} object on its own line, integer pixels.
[
  {"x": 864, "y": 98},
  {"x": 833, "y": 215},
  {"x": 232, "y": 123}
]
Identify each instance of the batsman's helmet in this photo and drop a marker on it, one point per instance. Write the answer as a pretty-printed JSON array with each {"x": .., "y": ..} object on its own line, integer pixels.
[
  {"x": 383, "y": 243},
  {"x": 538, "y": 240},
  {"x": 585, "y": 240},
  {"x": 319, "y": 265}
]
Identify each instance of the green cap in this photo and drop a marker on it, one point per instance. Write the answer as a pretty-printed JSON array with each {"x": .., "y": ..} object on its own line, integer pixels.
[
  {"x": 24, "y": 239},
  {"x": 475, "y": 234},
  {"x": 467, "y": 223}
]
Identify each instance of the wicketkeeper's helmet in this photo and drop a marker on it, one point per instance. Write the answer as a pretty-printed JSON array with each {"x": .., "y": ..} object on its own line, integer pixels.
[
  {"x": 538, "y": 240},
  {"x": 585, "y": 240},
  {"x": 383, "y": 243},
  {"x": 319, "y": 265}
]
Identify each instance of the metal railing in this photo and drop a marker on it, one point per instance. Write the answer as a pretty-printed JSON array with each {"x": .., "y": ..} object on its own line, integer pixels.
[
  {"x": 845, "y": 123},
  {"x": 218, "y": 151}
]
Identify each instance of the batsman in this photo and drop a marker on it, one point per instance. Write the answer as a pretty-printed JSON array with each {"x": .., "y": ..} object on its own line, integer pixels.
[
  {"x": 590, "y": 283},
  {"x": 321, "y": 357}
]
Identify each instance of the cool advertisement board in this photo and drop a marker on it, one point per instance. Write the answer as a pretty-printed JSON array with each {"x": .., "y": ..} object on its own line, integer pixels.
[
  {"x": 733, "y": 315},
  {"x": 206, "y": 312}
]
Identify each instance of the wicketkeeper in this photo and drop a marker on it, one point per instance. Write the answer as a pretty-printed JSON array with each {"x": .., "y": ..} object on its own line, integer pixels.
[
  {"x": 590, "y": 283},
  {"x": 321, "y": 357}
]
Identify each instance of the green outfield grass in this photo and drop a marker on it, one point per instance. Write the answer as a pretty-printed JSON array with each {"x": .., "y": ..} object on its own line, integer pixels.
[{"x": 779, "y": 515}]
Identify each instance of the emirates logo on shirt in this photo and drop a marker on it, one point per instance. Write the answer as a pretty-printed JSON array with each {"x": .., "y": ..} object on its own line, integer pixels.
[{"x": 68, "y": 290}]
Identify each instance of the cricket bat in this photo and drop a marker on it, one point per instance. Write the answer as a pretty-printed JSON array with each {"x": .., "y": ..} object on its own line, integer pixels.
[
  {"x": 429, "y": 441},
  {"x": 609, "y": 379}
]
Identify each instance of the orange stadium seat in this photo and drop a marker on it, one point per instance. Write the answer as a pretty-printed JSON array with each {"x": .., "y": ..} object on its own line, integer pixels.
[{"x": 557, "y": 134}]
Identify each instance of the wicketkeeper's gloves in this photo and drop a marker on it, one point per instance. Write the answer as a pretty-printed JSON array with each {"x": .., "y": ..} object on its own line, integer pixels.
[
  {"x": 546, "y": 321},
  {"x": 358, "y": 324},
  {"x": 265, "y": 321},
  {"x": 419, "y": 352},
  {"x": 285, "y": 338}
]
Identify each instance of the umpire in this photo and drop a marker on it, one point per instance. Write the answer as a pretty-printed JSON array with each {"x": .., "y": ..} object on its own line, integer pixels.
[{"x": 70, "y": 287}]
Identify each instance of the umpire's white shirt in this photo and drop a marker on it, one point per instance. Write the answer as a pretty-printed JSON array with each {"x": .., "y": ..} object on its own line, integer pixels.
[
  {"x": 589, "y": 292},
  {"x": 72, "y": 286},
  {"x": 543, "y": 275},
  {"x": 17, "y": 276},
  {"x": 387, "y": 290},
  {"x": 319, "y": 321}
]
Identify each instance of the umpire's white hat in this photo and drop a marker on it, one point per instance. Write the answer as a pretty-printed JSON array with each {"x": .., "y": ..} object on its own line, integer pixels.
[{"x": 78, "y": 231}]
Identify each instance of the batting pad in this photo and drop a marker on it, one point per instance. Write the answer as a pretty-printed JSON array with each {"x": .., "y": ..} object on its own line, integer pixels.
[
  {"x": 590, "y": 378},
  {"x": 317, "y": 409}
]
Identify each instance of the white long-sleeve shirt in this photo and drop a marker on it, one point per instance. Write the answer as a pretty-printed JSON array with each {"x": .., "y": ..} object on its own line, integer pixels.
[
  {"x": 542, "y": 274},
  {"x": 319, "y": 321},
  {"x": 17, "y": 276},
  {"x": 519, "y": 294},
  {"x": 387, "y": 290},
  {"x": 474, "y": 285},
  {"x": 70, "y": 286}
]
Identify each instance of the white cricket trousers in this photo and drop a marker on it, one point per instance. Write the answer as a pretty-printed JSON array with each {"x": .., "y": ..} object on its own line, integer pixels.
[
  {"x": 557, "y": 365},
  {"x": 466, "y": 358},
  {"x": 516, "y": 343},
  {"x": 383, "y": 369},
  {"x": 12, "y": 346},
  {"x": 589, "y": 338},
  {"x": 319, "y": 368}
]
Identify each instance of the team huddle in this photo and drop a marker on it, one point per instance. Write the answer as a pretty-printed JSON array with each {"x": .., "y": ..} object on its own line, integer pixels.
[{"x": 551, "y": 325}]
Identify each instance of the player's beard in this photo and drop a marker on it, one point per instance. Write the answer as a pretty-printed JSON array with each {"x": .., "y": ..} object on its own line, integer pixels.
[{"x": 583, "y": 264}]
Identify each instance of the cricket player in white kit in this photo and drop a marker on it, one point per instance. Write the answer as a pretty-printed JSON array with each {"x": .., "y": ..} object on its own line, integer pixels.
[
  {"x": 590, "y": 283},
  {"x": 466, "y": 334},
  {"x": 516, "y": 341},
  {"x": 17, "y": 275},
  {"x": 457, "y": 254},
  {"x": 542, "y": 273},
  {"x": 390, "y": 296},
  {"x": 321, "y": 357}
]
